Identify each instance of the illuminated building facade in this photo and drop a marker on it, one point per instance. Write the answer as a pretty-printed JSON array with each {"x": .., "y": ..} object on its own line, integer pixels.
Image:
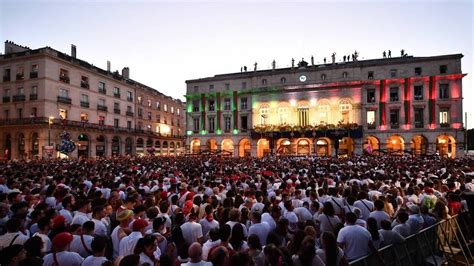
[
  {"x": 396, "y": 105},
  {"x": 46, "y": 92}
]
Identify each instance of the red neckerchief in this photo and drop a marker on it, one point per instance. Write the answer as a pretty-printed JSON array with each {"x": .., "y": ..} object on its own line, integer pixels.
[{"x": 210, "y": 218}]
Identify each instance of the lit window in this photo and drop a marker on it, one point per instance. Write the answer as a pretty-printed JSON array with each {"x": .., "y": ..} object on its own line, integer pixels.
[
  {"x": 263, "y": 112},
  {"x": 63, "y": 113}
]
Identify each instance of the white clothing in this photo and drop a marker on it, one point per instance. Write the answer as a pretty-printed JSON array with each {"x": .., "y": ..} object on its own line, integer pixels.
[
  {"x": 207, "y": 226},
  {"x": 232, "y": 223},
  {"x": 99, "y": 229},
  {"x": 67, "y": 215},
  {"x": 322, "y": 255},
  {"x": 145, "y": 259},
  {"x": 355, "y": 240},
  {"x": 77, "y": 246},
  {"x": 191, "y": 231},
  {"x": 261, "y": 230},
  {"x": 379, "y": 216},
  {"x": 64, "y": 258},
  {"x": 127, "y": 244},
  {"x": 328, "y": 223},
  {"x": 365, "y": 206},
  {"x": 403, "y": 229},
  {"x": 46, "y": 242},
  {"x": 267, "y": 218},
  {"x": 94, "y": 261},
  {"x": 80, "y": 218},
  {"x": 7, "y": 238},
  {"x": 208, "y": 246},
  {"x": 303, "y": 214},
  {"x": 391, "y": 237},
  {"x": 201, "y": 263}
]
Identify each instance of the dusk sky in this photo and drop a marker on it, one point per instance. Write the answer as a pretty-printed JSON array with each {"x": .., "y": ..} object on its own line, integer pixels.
[{"x": 165, "y": 43}]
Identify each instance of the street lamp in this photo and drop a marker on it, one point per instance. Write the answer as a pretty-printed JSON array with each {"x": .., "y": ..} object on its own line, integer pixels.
[{"x": 50, "y": 122}]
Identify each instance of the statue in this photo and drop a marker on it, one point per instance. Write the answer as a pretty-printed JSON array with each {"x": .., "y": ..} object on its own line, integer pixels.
[
  {"x": 274, "y": 64},
  {"x": 240, "y": 69},
  {"x": 325, "y": 60},
  {"x": 312, "y": 60},
  {"x": 402, "y": 52},
  {"x": 389, "y": 54},
  {"x": 255, "y": 66},
  {"x": 245, "y": 68},
  {"x": 344, "y": 58},
  {"x": 384, "y": 54},
  {"x": 333, "y": 57},
  {"x": 356, "y": 55},
  {"x": 292, "y": 62}
]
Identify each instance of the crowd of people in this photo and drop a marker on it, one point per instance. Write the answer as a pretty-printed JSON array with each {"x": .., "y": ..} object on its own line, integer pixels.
[{"x": 221, "y": 211}]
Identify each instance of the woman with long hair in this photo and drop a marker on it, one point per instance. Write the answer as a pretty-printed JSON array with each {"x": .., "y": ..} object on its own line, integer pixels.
[
  {"x": 146, "y": 248},
  {"x": 328, "y": 219},
  {"x": 377, "y": 238},
  {"x": 237, "y": 238},
  {"x": 330, "y": 253},
  {"x": 306, "y": 254}
]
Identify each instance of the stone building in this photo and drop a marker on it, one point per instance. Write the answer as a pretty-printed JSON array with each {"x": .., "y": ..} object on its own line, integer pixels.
[
  {"x": 391, "y": 105},
  {"x": 46, "y": 92}
]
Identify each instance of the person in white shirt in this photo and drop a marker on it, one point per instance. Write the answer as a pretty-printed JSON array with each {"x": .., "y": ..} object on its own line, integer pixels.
[
  {"x": 146, "y": 248},
  {"x": 355, "y": 240},
  {"x": 67, "y": 203},
  {"x": 402, "y": 227},
  {"x": 97, "y": 214},
  {"x": 290, "y": 215},
  {"x": 98, "y": 246},
  {"x": 303, "y": 213},
  {"x": 81, "y": 243},
  {"x": 158, "y": 225},
  {"x": 61, "y": 256},
  {"x": 272, "y": 217},
  {"x": 81, "y": 215},
  {"x": 210, "y": 243},
  {"x": 13, "y": 235},
  {"x": 127, "y": 244},
  {"x": 120, "y": 231},
  {"x": 328, "y": 219},
  {"x": 234, "y": 216},
  {"x": 208, "y": 222},
  {"x": 389, "y": 236},
  {"x": 192, "y": 231},
  {"x": 44, "y": 225},
  {"x": 194, "y": 253},
  {"x": 379, "y": 214},
  {"x": 258, "y": 228},
  {"x": 366, "y": 206}
]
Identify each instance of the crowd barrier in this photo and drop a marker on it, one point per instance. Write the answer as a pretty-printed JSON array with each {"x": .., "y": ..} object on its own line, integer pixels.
[{"x": 445, "y": 243}]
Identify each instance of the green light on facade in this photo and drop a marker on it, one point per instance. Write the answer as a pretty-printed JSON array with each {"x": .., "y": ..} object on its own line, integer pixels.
[
  {"x": 236, "y": 131},
  {"x": 219, "y": 132},
  {"x": 203, "y": 132},
  {"x": 189, "y": 132},
  {"x": 189, "y": 108}
]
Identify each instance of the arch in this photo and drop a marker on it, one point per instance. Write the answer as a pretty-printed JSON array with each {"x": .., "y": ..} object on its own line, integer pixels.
[
  {"x": 283, "y": 80},
  {"x": 263, "y": 147},
  {"x": 284, "y": 146},
  {"x": 346, "y": 146},
  {"x": 116, "y": 146},
  {"x": 82, "y": 145},
  {"x": 157, "y": 144},
  {"x": 8, "y": 147},
  {"x": 303, "y": 104},
  {"x": 100, "y": 145},
  {"x": 303, "y": 147},
  {"x": 211, "y": 145},
  {"x": 419, "y": 145},
  {"x": 128, "y": 145},
  {"x": 195, "y": 146},
  {"x": 34, "y": 144},
  {"x": 244, "y": 148},
  {"x": 140, "y": 143},
  {"x": 323, "y": 147},
  {"x": 21, "y": 146},
  {"x": 371, "y": 144},
  {"x": 149, "y": 143},
  {"x": 227, "y": 146},
  {"x": 396, "y": 144},
  {"x": 165, "y": 144},
  {"x": 446, "y": 146}
]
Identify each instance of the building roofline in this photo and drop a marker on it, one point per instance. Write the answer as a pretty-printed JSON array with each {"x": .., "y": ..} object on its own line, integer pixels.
[{"x": 329, "y": 66}]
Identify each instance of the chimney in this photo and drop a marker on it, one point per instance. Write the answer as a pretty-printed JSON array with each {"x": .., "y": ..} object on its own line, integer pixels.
[
  {"x": 73, "y": 50},
  {"x": 126, "y": 73},
  {"x": 108, "y": 66}
]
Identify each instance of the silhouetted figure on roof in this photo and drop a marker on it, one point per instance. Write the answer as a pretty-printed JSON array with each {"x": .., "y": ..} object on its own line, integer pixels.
[
  {"x": 384, "y": 54},
  {"x": 389, "y": 54},
  {"x": 402, "y": 52},
  {"x": 312, "y": 60},
  {"x": 344, "y": 58},
  {"x": 325, "y": 60},
  {"x": 273, "y": 64},
  {"x": 292, "y": 62},
  {"x": 255, "y": 66}
]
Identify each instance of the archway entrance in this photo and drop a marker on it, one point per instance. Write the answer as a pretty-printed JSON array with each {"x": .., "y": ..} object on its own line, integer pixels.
[
  {"x": 157, "y": 147},
  {"x": 323, "y": 147},
  {"x": 283, "y": 146},
  {"x": 195, "y": 146},
  {"x": 172, "y": 151},
  {"x": 165, "y": 151},
  {"x": 263, "y": 147},
  {"x": 244, "y": 148},
  {"x": 178, "y": 148},
  {"x": 100, "y": 146},
  {"x": 419, "y": 145},
  {"x": 8, "y": 147},
  {"x": 212, "y": 145},
  {"x": 346, "y": 146},
  {"x": 395, "y": 144},
  {"x": 128, "y": 146},
  {"x": 371, "y": 144},
  {"x": 83, "y": 146},
  {"x": 149, "y": 147},
  {"x": 446, "y": 146},
  {"x": 139, "y": 147},
  {"x": 227, "y": 147},
  {"x": 34, "y": 144},
  {"x": 21, "y": 146},
  {"x": 303, "y": 147},
  {"x": 115, "y": 146}
]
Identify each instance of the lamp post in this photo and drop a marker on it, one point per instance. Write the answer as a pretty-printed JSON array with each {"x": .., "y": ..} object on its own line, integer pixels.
[{"x": 50, "y": 122}]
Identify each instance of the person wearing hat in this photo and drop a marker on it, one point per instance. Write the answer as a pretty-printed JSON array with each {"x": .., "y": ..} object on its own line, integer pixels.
[
  {"x": 61, "y": 256},
  {"x": 127, "y": 244},
  {"x": 121, "y": 230}
]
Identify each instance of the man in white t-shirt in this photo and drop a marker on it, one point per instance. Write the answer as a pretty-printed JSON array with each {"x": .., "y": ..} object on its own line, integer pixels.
[
  {"x": 355, "y": 240},
  {"x": 379, "y": 214},
  {"x": 258, "y": 228},
  {"x": 98, "y": 250},
  {"x": 192, "y": 231},
  {"x": 366, "y": 206}
]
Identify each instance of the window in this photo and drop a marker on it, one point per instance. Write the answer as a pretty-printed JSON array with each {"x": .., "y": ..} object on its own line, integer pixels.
[
  {"x": 172, "y": 109},
  {"x": 6, "y": 74},
  {"x": 444, "y": 117},
  {"x": 6, "y": 93},
  {"x": 21, "y": 91},
  {"x": 263, "y": 112},
  {"x": 418, "y": 92},
  {"x": 165, "y": 120},
  {"x": 196, "y": 124},
  {"x": 34, "y": 90},
  {"x": 116, "y": 106},
  {"x": 165, "y": 107},
  {"x": 227, "y": 123},
  {"x": 371, "y": 119},
  {"x": 443, "y": 69},
  {"x": 211, "y": 87},
  {"x": 303, "y": 116},
  {"x": 84, "y": 82},
  {"x": 129, "y": 109},
  {"x": 371, "y": 95},
  {"x": 443, "y": 91},
  {"x": 243, "y": 103},
  {"x": 417, "y": 71},
  {"x": 34, "y": 71},
  {"x": 116, "y": 122},
  {"x": 101, "y": 120},
  {"x": 140, "y": 125},
  {"x": 323, "y": 113},
  {"x": 394, "y": 118},
  {"x": 62, "y": 113},
  {"x": 283, "y": 80},
  {"x": 177, "y": 111},
  {"x": 344, "y": 75},
  {"x": 158, "y": 118},
  {"x": 196, "y": 88},
  {"x": 227, "y": 104},
  {"x": 140, "y": 112},
  {"x": 149, "y": 103},
  {"x": 196, "y": 106},
  {"x": 243, "y": 123},
  {"x": 34, "y": 112},
  {"x": 393, "y": 73},
  {"x": 370, "y": 75},
  {"x": 149, "y": 115},
  {"x": 158, "y": 107},
  {"x": 64, "y": 75},
  {"x": 101, "y": 102},
  {"x": 102, "y": 87},
  {"x": 211, "y": 124},
  {"x": 419, "y": 118},
  {"x": 344, "y": 108},
  {"x": 283, "y": 114},
  {"x": 129, "y": 124},
  {"x": 140, "y": 99},
  {"x": 212, "y": 105},
  {"x": 129, "y": 96},
  {"x": 244, "y": 85},
  {"x": 227, "y": 86},
  {"x": 84, "y": 117},
  {"x": 84, "y": 98},
  {"x": 323, "y": 76},
  {"x": 63, "y": 93},
  {"x": 20, "y": 113},
  {"x": 116, "y": 91},
  {"x": 394, "y": 94},
  {"x": 264, "y": 81}
]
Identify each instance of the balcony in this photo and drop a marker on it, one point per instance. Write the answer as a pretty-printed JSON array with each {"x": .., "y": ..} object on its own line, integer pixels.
[
  {"x": 371, "y": 125},
  {"x": 6, "y": 99},
  {"x": 64, "y": 79},
  {"x": 395, "y": 125},
  {"x": 102, "y": 90},
  {"x": 19, "y": 98},
  {"x": 102, "y": 108},
  {"x": 33, "y": 74},
  {"x": 129, "y": 113},
  {"x": 129, "y": 99},
  {"x": 20, "y": 76},
  {"x": 117, "y": 95},
  {"x": 84, "y": 84},
  {"x": 418, "y": 97},
  {"x": 117, "y": 111},
  {"x": 33, "y": 97},
  {"x": 65, "y": 100},
  {"x": 419, "y": 124},
  {"x": 6, "y": 78},
  {"x": 394, "y": 99},
  {"x": 444, "y": 125},
  {"x": 85, "y": 104}
]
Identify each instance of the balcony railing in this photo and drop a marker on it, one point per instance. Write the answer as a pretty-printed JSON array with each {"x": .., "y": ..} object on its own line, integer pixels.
[
  {"x": 103, "y": 91},
  {"x": 419, "y": 124},
  {"x": 129, "y": 99},
  {"x": 418, "y": 97},
  {"x": 444, "y": 124},
  {"x": 19, "y": 98},
  {"x": 117, "y": 111},
  {"x": 85, "y": 104},
  {"x": 371, "y": 126},
  {"x": 394, "y": 125},
  {"x": 84, "y": 84},
  {"x": 65, "y": 100},
  {"x": 20, "y": 76},
  {"x": 117, "y": 95},
  {"x": 6, "y": 99},
  {"x": 129, "y": 113},
  {"x": 102, "y": 108},
  {"x": 394, "y": 99},
  {"x": 6, "y": 78},
  {"x": 64, "y": 79},
  {"x": 33, "y": 74},
  {"x": 33, "y": 97}
]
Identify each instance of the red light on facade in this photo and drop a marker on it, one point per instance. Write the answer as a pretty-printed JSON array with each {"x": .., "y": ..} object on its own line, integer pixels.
[
  {"x": 432, "y": 126},
  {"x": 383, "y": 127},
  {"x": 406, "y": 127},
  {"x": 457, "y": 125}
]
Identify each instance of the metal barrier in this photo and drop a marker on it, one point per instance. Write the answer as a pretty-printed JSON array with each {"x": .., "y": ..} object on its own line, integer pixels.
[{"x": 446, "y": 242}]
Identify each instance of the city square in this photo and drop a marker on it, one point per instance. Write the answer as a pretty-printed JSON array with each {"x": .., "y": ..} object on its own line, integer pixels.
[{"x": 203, "y": 148}]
